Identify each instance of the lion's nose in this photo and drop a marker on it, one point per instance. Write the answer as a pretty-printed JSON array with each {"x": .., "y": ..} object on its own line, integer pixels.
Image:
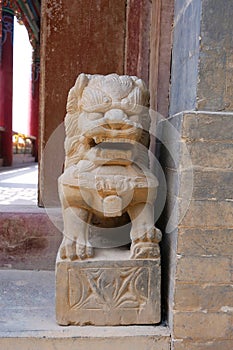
[{"x": 115, "y": 118}]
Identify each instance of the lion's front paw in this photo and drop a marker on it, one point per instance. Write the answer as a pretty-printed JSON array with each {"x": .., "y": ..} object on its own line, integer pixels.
[
  {"x": 153, "y": 235},
  {"x": 68, "y": 249},
  {"x": 84, "y": 251},
  {"x": 71, "y": 250}
]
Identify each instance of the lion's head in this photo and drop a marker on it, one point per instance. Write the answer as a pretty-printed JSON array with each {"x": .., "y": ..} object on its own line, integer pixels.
[{"x": 105, "y": 109}]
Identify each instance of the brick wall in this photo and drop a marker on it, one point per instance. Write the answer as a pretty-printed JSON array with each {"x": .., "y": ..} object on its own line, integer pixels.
[
  {"x": 200, "y": 282},
  {"x": 203, "y": 281}
]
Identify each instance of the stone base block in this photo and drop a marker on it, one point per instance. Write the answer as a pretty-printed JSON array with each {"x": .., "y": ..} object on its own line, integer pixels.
[
  {"x": 27, "y": 321},
  {"x": 109, "y": 289}
]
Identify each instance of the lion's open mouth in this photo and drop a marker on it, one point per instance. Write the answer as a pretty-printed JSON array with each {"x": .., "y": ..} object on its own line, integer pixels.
[
  {"x": 130, "y": 135},
  {"x": 101, "y": 134},
  {"x": 109, "y": 140},
  {"x": 112, "y": 152},
  {"x": 124, "y": 145}
]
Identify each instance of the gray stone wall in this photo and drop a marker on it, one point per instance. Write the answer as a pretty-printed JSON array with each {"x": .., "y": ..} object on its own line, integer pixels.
[
  {"x": 202, "y": 57},
  {"x": 185, "y": 55},
  {"x": 200, "y": 279},
  {"x": 200, "y": 246},
  {"x": 215, "y": 83}
]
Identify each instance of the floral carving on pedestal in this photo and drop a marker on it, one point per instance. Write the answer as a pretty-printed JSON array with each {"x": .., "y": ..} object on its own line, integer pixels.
[{"x": 108, "y": 288}]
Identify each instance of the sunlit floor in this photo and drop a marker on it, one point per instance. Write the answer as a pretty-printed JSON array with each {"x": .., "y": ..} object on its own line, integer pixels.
[{"x": 19, "y": 186}]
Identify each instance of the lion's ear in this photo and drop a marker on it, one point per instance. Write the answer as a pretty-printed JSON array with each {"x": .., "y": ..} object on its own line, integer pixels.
[{"x": 75, "y": 93}]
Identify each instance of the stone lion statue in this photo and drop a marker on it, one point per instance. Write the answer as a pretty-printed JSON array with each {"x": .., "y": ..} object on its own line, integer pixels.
[{"x": 107, "y": 166}]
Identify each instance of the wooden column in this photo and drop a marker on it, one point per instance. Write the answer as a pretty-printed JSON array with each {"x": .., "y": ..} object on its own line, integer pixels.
[
  {"x": 6, "y": 85},
  {"x": 137, "y": 40},
  {"x": 34, "y": 100},
  {"x": 79, "y": 36}
]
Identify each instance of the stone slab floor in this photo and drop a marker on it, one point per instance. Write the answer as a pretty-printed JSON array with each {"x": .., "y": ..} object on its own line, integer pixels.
[
  {"x": 18, "y": 185},
  {"x": 27, "y": 320}
]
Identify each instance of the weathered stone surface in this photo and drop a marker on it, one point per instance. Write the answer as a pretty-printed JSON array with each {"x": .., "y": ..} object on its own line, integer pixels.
[
  {"x": 204, "y": 139},
  {"x": 212, "y": 154},
  {"x": 108, "y": 290},
  {"x": 175, "y": 153},
  {"x": 212, "y": 184},
  {"x": 185, "y": 55},
  {"x": 200, "y": 269},
  {"x": 215, "y": 184},
  {"x": 28, "y": 321},
  {"x": 107, "y": 165},
  {"x": 202, "y": 56},
  {"x": 201, "y": 325},
  {"x": 204, "y": 241},
  {"x": 87, "y": 342},
  {"x": 207, "y": 126},
  {"x": 203, "y": 297},
  {"x": 207, "y": 214},
  {"x": 203, "y": 278},
  {"x": 105, "y": 178},
  {"x": 214, "y": 90},
  {"x": 206, "y": 154},
  {"x": 199, "y": 214},
  {"x": 213, "y": 62},
  {"x": 202, "y": 345}
]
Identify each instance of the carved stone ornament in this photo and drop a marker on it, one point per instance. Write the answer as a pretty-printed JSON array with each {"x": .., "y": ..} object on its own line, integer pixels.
[
  {"x": 109, "y": 292},
  {"x": 107, "y": 177}
]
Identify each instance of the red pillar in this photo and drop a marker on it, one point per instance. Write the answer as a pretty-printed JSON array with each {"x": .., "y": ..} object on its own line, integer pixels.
[
  {"x": 6, "y": 86},
  {"x": 34, "y": 101},
  {"x": 137, "y": 49}
]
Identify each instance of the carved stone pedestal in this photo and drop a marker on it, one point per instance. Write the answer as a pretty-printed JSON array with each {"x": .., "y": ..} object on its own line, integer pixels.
[{"x": 109, "y": 289}]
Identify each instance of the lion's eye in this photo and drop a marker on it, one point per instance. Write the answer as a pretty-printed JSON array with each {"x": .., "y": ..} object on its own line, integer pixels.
[
  {"x": 94, "y": 116},
  {"x": 106, "y": 100},
  {"x": 94, "y": 100},
  {"x": 125, "y": 102}
]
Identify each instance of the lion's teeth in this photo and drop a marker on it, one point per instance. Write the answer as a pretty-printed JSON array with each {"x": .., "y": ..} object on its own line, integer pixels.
[{"x": 99, "y": 139}]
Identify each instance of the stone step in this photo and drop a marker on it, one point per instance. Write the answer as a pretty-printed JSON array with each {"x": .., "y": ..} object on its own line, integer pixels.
[
  {"x": 27, "y": 320},
  {"x": 30, "y": 237}
]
